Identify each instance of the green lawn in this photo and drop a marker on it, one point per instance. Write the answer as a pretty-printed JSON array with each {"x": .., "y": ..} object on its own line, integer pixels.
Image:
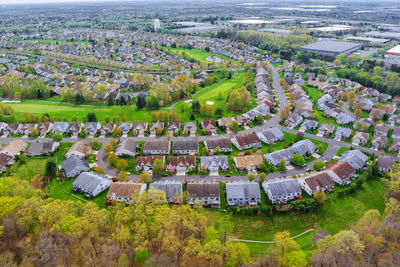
[
  {"x": 334, "y": 216},
  {"x": 211, "y": 94},
  {"x": 197, "y": 54},
  {"x": 68, "y": 111}
]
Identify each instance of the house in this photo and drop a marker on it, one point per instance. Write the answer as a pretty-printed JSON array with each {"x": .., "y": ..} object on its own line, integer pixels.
[
  {"x": 275, "y": 157},
  {"x": 396, "y": 132},
  {"x": 12, "y": 128},
  {"x": 246, "y": 141},
  {"x": 271, "y": 135},
  {"x": 39, "y": 148},
  {"x": 242, "y": 120},
  {"x": 326, "y": 129},
  {"x": 125, "y": 191},
  {"x": 309, "y": 125},
  {"x": 304, "y": 147},
  {"x": 125, "y": 127},
  {"x": 107, "y": 129},
  {"x": 74, "y": 128},
  {"x": 376, "y": 114},
  {"x": 181, "y": 163},
  {"x": 156, "y": 147},
  {"x": 92, "y": 128},
  {"x": 395, "y": 147},
  {"x": 248, "y": 162},
  {"x": 172, "y": 190},
  {"x": 157, "y": 125},
  {"x": 363, "y": 124},
  {"x": 224, "y": 145},
  {"x": 281, "y": 190},
  {"x": 206, "y": 193},
  {"x": 3, "y": 126},
  {"x": 317, "y": 182},
  {"x": 225, "y": 122},
  {"x": 394, "y": 119},
  {"x": 385, "y": 163},
  {"x": 341, "y": 172},
  {"x": 360, "y": 138},
  {"x": 14, "y": 147},
  {"x": 145, "y": 163},
  {"x": 190, "y": 128},
  {"x": 74, "y": 165},
  {"x": 345, "y": 118},
  {"x": 5, "y": 160},
  {"x": 214, "y": 163},
  {"x": 81, "y": 149},
  {"x": 185, "y": 146},
  {"x": 126, "y": 148},
  {"x": 26, "y": 128},
  {"x": 209, "y": 126},
  {"x": 242, "y": 193},
  {"x": 356, "y": 158},
  {"x": 381, "y": 129},
  {"x": 140, "y": 127},
  {"x": 293, "y": 120},
  {"x": 91, "y": 184},
  {"x": 379, "y": 142},
  {"x": 44, "y": 128},
  {"x": 173, "y": 126},
  {"x": 342, "y": 132}
]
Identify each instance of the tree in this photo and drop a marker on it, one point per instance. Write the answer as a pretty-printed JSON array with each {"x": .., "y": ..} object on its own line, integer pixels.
[
  {"x": 123, "y": 261},
  {"x": 122, "y": 164},
  {"x": 284, "y": 113},
  {"x": 57, "y": 137},
  {"x": 141, "y": 102},
  {"x": 207, "y": 110},
  {"x": 318, "y": 165},
  {"x": 298, "y": 159},
  {"x": 141, "y": 256},
  {"x": 262, "y": 176},
  {"x": 34, "y": 132},
  {"x": 320, "y": 196},
  {"x": 287, "y": 251},
  {"x": 99, "y": 169},
  {"x": 219, "y": 112},
  {"x": 51, "y": 168},
  {"x": 251, "y": 177},
  {"x": 282, "y": 165},
  {"x": 376, "y": 114},
  {"x": 117, "y": 131},
  {"x": 357, "y": 113},
  {"x": 234, "y": 126},
  {"x": 91, "y": 117},
  {"x": 123, "y": 176},
  {"x": 158, "y": 167},
  {"x": 112, "y": 158},
  {"x": 144, "y": 177}
]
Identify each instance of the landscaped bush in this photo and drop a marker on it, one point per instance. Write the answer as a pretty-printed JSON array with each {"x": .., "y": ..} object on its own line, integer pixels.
[{"x": 305, "y": 204}]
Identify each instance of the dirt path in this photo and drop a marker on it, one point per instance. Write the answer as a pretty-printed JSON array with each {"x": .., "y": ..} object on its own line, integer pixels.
[{"x": 271, "y": 242}]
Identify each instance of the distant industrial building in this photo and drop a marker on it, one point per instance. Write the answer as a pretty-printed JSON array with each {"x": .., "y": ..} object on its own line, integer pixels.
[
  {"x": 157, "y": 24},
  {"x": 370, "y": 40},
  {"x": 334, "y": 28},
  {"x": 395, "y": 51},
  {"x": 390, "y": 35},
  {"x": 332, "y": 48}
]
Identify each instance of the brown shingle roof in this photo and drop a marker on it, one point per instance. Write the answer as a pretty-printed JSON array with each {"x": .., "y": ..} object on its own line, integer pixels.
[
  {"x": 342, "y": 169},
  {"x": 123, "y": 189},
  {"x": 148, "y": 160},
  {"x": 182, "y": 160},
  {"x": 248, "y": 139},
  {"x": 200, "y": 190}
]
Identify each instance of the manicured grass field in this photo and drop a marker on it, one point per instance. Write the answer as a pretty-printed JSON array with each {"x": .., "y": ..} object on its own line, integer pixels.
[
  {"x": 334, "y": 216},
  {"x": 68, "y": 111},
  {"x": 211, "y": 94},
  {"x": 197, "y": 54}
]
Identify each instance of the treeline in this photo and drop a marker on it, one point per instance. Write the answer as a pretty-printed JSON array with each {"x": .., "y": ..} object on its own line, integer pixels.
[
  {"x": 376, "y": 78},
  {"x": 374, "y": 241},
  {"x": 13, "y": 87},
  {"x": 6, "y": 113},
  {"x": 33, "y": 232}
]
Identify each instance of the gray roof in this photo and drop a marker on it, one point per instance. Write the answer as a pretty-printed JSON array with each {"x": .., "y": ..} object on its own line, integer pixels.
[
  {"x": 209, "y": 161},
  {"x": 272, "y": 134},
  {"x": 74, "y": 162},
  {"x": 344, "y": 132},
  {"x": 89, "y": 181},
  {"x": 276, "y": 156},
  {"x": 156, "y": 145},
  {"x": 282, "y": 187},
  {"x": 187, "y": 144},
  {"x": 169, "y": 187},
  {"x": 242, "y": 189},
  {"x": 331, "y": 46},
  {"x": 60, "y": 126},
  {"x": 303, "y": 147},
  {"x": 355, "y": 158}
]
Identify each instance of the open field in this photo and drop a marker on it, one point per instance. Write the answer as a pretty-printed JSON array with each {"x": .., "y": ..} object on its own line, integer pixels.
[
  {"x": 334, "y": 216},
  {"x": 197, "y": 54},
  {"x": 211, "y": 94}
]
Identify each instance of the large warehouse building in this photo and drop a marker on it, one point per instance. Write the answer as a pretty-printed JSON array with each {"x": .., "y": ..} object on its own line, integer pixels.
[
  {"x": 394, "y": 52},
  {"x": 332, "y": 48}
]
